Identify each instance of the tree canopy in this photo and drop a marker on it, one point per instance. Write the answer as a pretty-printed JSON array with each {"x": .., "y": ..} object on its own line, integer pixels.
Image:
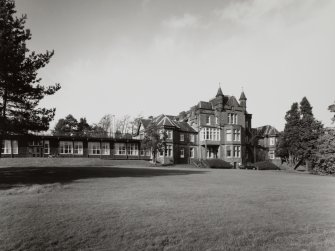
[
  {"x": 297, "y": 142},
  {"x": 20, "y": 88},
  {"x": 154, "y": 139}
]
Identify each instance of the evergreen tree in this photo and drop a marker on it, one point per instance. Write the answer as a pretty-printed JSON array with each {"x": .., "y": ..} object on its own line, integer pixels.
[
  {"x": 20, "y": 89},
  {"x": 297, "y": 143}
]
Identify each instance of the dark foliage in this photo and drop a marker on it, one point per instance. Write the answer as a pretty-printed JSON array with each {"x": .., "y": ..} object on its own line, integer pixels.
[
  {"x": 298, "y": 141},
  {"x": 218, "y": 163},
  {"x": 20, "y": 88}
]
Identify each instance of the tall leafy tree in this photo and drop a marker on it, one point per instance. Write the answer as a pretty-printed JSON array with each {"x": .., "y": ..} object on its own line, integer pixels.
[
  {"x": 298, "y": 141},
  {"x": 83, "y": 128},
  {"x": 154, "y": 139},
  {"x": 66, "y": 127},
  {"x": 20, "y": 88}
]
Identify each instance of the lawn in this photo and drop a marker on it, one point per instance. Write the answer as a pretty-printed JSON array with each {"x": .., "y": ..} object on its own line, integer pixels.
[{"x": 132, "y": 208}]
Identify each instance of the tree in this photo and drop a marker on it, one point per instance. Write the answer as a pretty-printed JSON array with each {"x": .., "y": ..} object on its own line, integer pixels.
[
  {"x": 288, "y": 142},
  {"x": 66, "y": 127},
  {"x": 106, "y": 123},
  {"x": 325, "y": 155},
  {"x": 331, "y": 108},
  {"x": 83, "y": 128},
  {"x": 98, "y": 131},
  {"x": 154, "y": 139},
  {"x": 20, "y": 88},
  {"x": 297, "y": 143}
]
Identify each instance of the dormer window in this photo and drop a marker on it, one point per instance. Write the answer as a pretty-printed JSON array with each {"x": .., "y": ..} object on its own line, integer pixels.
[{"x": 181, "y": 137}]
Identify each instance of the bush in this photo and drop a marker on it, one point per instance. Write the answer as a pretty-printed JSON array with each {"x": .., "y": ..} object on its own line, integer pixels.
[
  {"x": 265, "y": 165},
  {"x": 218, "y": 163}
]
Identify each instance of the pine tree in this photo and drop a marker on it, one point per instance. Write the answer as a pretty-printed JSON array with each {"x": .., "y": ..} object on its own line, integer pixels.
[
  {"x": 66, "y": 127},
  {"x": 20, "y": 88}
]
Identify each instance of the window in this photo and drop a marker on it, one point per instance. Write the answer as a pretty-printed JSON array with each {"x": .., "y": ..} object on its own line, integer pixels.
[
  {"x": 208, "y": 119},
  {"x": 6, "y": 147},
  {"x": 66, "y": 147},
  {"x": 132, "y": 149},
  {"x": 145, "y": 152},
  {"x": 181, "y": 137},
  {"x": 272, "y": 141},
  {"x": 168, "y": 151},
  {"x": 237, "y": 134},
  {"x": 216, "y": 120},
  {"x": 210, "y": 134},
  {"x": 46, "y": 147},
  {"x": 191, "y": 152},
  {"x": 120, "y": 148},
  {"x": 169, "y": 134},
  {"x": 78, "y": 148},
  {"x": 105, "y": 149},
  {"x": 228, "y": 151},
  {"x": 192, "y": 137},
  {"x": 182, "y": 154},
  {"x": 228, "y": 135},
  {"x": 272, "y": 154},
  {"x": 94, "y": 148},
  {"x": 237, "y": 151},
  {"x": 232, "y": 118}
]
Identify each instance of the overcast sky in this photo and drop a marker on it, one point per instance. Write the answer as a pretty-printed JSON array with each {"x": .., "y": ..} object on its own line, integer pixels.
[{"x": 152, "y": 56}]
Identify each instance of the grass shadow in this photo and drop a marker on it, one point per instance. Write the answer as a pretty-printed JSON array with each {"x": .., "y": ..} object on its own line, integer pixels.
[{"x": 18, "y": 176}]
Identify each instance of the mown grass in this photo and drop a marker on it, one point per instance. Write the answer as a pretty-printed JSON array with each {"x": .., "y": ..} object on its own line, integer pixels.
[{"x": 170, "y": 209}]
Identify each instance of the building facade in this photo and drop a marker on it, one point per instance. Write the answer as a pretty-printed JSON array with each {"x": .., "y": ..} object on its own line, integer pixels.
[{"x": 220, "y": 128}]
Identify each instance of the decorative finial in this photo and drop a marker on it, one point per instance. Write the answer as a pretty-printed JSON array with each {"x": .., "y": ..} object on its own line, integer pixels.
[
  {"x": 219, "y": 85},
  {"x": 242, "y": 89}
]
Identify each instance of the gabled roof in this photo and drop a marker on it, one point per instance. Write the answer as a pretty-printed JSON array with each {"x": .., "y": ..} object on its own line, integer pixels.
[
  {"x": 145, "y": 122},
  {"x": 232, "y": 101},
  {"x": 167, "y": 121},
  {"x": 205, "y": 105},
  {"x": 266, "y": 131}
]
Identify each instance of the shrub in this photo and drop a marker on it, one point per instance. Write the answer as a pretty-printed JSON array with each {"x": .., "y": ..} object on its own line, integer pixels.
[
  {"x": 218, "y": 163},
  {"x": 266, "y": 165}
]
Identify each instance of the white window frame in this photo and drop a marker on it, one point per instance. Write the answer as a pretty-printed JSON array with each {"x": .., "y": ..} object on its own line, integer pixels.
[
  {"x": 272, "y": 141},
  {"x": 192, "y": 152},
  {"x": 94, "y": 148},
  {"x": 272, "y": 154},
  {"x": 182, "y": 137},
  {"x": 168, "y": 150},
  {"x": 46, "y": 148},
  {"x": 132, "y": 149},
  {"x": 216, "y": 120},
  {"x": 65, "y": 147},
  {"x": 237, "y": 151},
  {"x": 182, "y": 153},
  {"x": 105, "y": 148},
  {"x": 229, "y": 136},
  {"x": 169, "y": 134},
  {"x": 207, "y": 133},
  {"x": 192, "y": 138},
  {"x": 229, "y": 148},
  {"x": 237, "y": 135},
  {"x": 120, "y": 149},
  {"x": 6, "y": 147},
  {"x": 78, "y": 148},
  {"x": 208, "y": 119}
]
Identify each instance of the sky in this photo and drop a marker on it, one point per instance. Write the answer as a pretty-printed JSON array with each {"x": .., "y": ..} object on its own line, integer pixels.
[{"x": 148, "y": 57}]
